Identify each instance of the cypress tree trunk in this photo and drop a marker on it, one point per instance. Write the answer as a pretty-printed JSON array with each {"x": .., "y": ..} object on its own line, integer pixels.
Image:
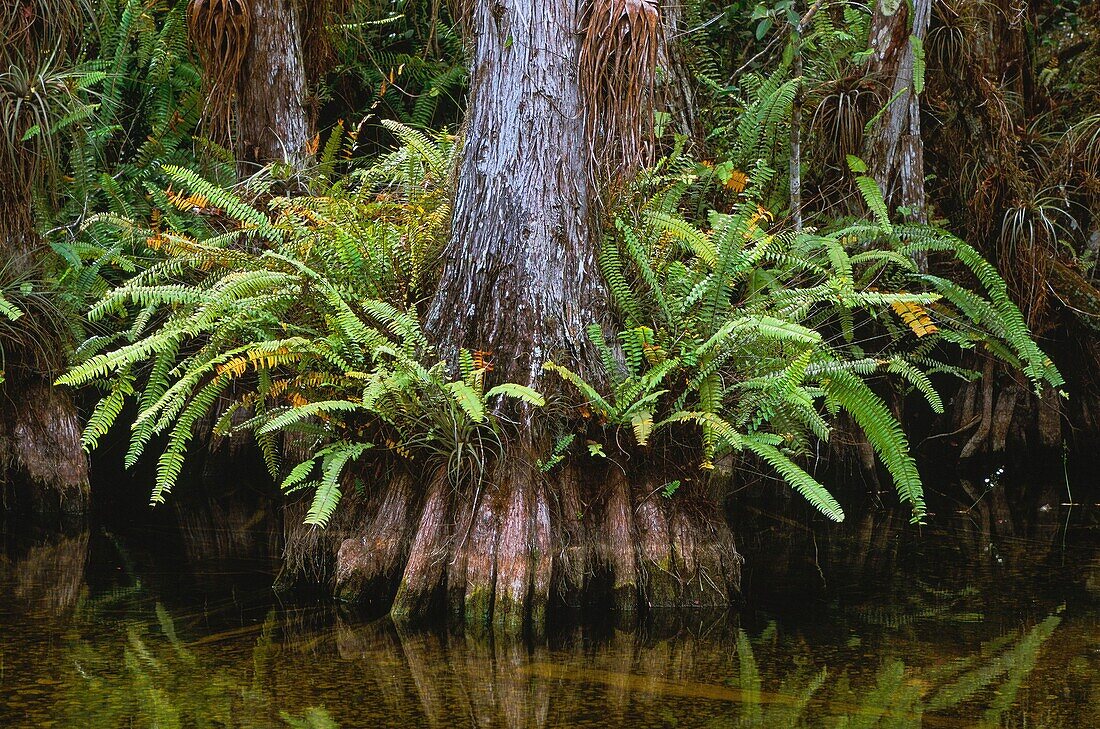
[
  {"x": 520, "y": 277},
  {"x": 520, "y": 283},
  {"x": 42, "y": 463},
  {"x": 895, "y": 151},
  {"x": 273, "y": 125}
]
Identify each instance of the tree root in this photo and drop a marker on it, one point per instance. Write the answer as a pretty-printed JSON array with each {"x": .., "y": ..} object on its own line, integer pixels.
[
  {"x": 426, "y": 566},
  {"x": 45, "y": 464},
  {"x": 367, "y": 566},
  {"x": 617, "y": 543},
  {"x": 500, "y": 551}
]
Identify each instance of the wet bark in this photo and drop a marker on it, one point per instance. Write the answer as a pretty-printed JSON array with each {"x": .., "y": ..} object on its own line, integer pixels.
[
  {"x": 43, "y": 466},
  {"x": 499, "y": 553},
  {"x": 427, "y": 557},
  {"x": 368, "y": 564},
  {"x": 520, "y": 278},
  {"x": 45, "y": 469},
  {"x": 895, "y": 150},
  {"x": 273, "y": 125}
]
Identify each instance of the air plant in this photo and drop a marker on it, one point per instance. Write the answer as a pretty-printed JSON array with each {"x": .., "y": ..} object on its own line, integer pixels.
[
  {"x": 843, "y": 109},
  {"x": 1083, "y": 144},
  {"x": 1036, "y": 222},
  {"x": 1029, "y": 234},
  {"x": 36, "y": 100},
  {"x": 31, "y": 26},
  {"x": 36, "y": 87},
  {"x": 29, "y": 318},
  {"x": 951, "y": 35}
]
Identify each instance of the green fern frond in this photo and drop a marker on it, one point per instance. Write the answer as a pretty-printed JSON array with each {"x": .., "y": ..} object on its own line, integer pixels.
[
  {"x": 327, "y": 496},
  {"x": 522, "y": 393},
  {"x": 883, "y": 432},
  {"x": 468, "y": 399},
  {"x": 795, "y": 476}
]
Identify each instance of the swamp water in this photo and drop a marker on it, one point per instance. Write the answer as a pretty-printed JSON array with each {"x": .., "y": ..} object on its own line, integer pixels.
[{"x": 95, "y": 632}]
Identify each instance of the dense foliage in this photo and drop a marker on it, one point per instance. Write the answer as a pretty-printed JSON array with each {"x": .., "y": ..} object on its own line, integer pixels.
[
  {"x": 299, "y": 320},
  {"x": 288, "y": 305}
]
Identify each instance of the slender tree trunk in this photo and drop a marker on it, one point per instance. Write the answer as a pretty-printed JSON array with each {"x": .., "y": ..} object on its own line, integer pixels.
[
  {"x": 895, "y": 151},
  {"x": 796, "y": 132},
  {"x": 273, "y": 125},
  {"x": 796, "y": 115}
]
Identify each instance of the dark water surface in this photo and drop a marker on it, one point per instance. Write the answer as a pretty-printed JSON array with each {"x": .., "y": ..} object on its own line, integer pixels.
[{"x": 93, "y": 636}]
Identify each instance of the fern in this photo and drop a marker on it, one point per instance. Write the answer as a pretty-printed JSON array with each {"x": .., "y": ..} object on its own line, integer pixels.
[
  {"x": 883, "y": 432},
  {"x": 917, "y": 47},
  {"x": 802, "y": 482},
  {"x": 872, "y": 196},
  {"x": 334, "y": 459},
  {"x": 518, "y": 392}
]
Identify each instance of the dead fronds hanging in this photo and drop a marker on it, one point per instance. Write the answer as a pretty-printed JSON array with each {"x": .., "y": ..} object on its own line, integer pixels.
[
  {"x": 618, "y": 63},
  {"x": 37, "y": 27},
  {"x": 220, "y": 31}
]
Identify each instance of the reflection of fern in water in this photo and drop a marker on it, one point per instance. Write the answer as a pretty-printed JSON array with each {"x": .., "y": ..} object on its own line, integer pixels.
[
  {"x": 159, "y": 680},
  {"x": 922, "y": 604},
  {"x": 900, "y": 696}
]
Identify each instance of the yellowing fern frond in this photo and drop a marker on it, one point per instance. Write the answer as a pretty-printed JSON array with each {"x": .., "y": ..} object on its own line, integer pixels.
[{"x": 915, "y": 317}]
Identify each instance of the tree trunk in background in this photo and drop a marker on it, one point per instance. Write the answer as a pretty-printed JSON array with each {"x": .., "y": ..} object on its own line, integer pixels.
[
  {"x": 273, "y": 125},
  {"x": 895, "y": 151},
  {"x": 677, "y": 87},
  {"x": 43, "y": 466}
]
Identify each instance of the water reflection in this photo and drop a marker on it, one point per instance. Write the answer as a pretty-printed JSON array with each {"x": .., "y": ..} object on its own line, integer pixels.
[
  {"x": 46, "y": 573},
  {"x": 100, "y": 645},
  {"x": 312, "y": 668}
]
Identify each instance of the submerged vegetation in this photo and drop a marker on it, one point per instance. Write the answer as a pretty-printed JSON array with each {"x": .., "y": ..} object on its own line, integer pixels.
[
  {"x": 132, "y": 653},
  {"x": 528, "y": 357}
]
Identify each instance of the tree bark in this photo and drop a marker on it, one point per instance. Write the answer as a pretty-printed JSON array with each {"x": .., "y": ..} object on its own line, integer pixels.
[
  {"x": 677, "y": 89},
  {"x": 273, "y": 125},
  {"x": 520, "y": 283},
  {"x": 520, "y": 278},
  {"x": 43, "y": 466},
  {"x": 795, "y": 168},
  {"x": 895, "y": 151}
]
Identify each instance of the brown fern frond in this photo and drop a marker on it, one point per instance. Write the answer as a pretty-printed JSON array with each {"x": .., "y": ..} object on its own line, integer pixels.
[{"x": 915, "y": 317}]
